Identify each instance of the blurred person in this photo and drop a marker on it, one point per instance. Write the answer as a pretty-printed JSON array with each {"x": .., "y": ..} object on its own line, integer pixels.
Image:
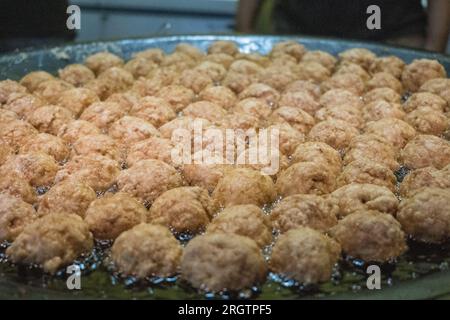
[{"x": 403, "y": 22}]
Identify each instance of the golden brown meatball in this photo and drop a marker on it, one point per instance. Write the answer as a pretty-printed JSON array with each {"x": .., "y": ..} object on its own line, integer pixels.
[
  {"x": 352, "y": 68},
  {"x": 128, "y": 130},
  {"x": 147, "y": 86},
  {"x": 261, "y": 91},
  {"x": 305, "y": 86},
  {"x": 425, "y": 177},
  {"x": 394, "y": 131},
  {"x": 366, "y": 171},
  {"x": 184, "y": 123},
  {"x": 23, "y": 104},
  {"x": 384, "y": 80},
  {"x": 426, "y": 150},
  {"x": 183, "y": 210},
  {"x": 220, "y": 95},
  {"x": 362, "y": 196},
  {"x": 52, "y": 241},
  {"x": 96, "y": 171},
  {"x": 336, "y": 133},
  {"x": 425, "y": 99},
  {"x": 155, "y": 55},
  {"x": 322, "y": 57},
  {"x": 391, "y": 64},
  {"x": 77, "y": 99},
  {"x": 254, "y": 57},
  {"x": 151, "y": 148},
  {"x": 360, "y": 56},
  {"x": 237, "y": 82},
  {"x": 318, "y": 152},
  {"x": 50, "y": 118},
  {"x": 155, "y": 110},
  {"x": 277, "y": 77},
  {"x": 15, "y": 214},
  {"x": 419, "y": 71},
  {"x": 51, "y": 90},
  {"x": 16, "y": 132},
  {"x": 305, "y": 255},
  {"x": 148, "y": 179},
  {"x": 339, "y": 98},
  {"x": 195, "y": 80},
  {"x": 213, "y": 70},
  {"x": 76, "y": 74},
  {"x": 109, "y": 216},
  {"x": 304, "y": 210},
  {"x": 67, "y": 197},
  {"x": 9, "y": 87},
  {"x": 316, "y": 178},
  {"x": 349, "y": 114},
  {"x": 425, "y": 215},
  {"x": 103, "y": 114},
  {"x": 140, "y": 67},
  {"x": 147, "y": 251},
  {"x": 38, "y": 168},
  {"x": 127, "y": 100},
  {"x": 17, "y": 186},
  {"x": 254, "y": 106},
  {"x": 221, "y": 58},
  {"x": 300, "y": 99},
  {"x": 295, "y": 117},
  {"x": 119, "y": 79},
  {"x": 386, "y": 94},
  {"x": 98, "y": 144},
  {"x": 238, "y": 258},
  {"x": 244, "y": 186},
  {"x": 439, "y": 86},
  {"x": 289, "y": 138},
  {"x": 177, "y": 96},
  {"x": 7, "y": 116},
  {"x": 289, "y": 47},
  {"x": 32, "y": 80},
  {"x": 381, "y": 109},
  {"x": 77, "y": 129},
  {"x": 5, "y": 152},
  {"x": 239, "y": 120},
  {"x": 370, "y": 235},
  {"x": 427, "y": 120},
  {"x": 102, "y": 61},
  {"x": 47, "y": 143},
  {"x": 347, "y": 81},
  {"x": 227, "y": 47},
  {"x": 204, "y": 109},
  {"x": 311, "y": 71}
]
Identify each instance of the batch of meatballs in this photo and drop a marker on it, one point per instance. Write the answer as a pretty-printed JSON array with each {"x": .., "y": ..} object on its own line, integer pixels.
[{"x": 86, "y": 156}]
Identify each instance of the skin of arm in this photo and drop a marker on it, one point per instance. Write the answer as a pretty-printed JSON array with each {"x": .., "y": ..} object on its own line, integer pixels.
[
  {"x": 246, "y": 14},
  {"x": 438, "y": 25}
]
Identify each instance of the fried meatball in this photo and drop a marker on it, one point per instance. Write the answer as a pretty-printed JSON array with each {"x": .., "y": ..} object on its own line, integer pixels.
[
  {"x": 427, "y": 120},
  {"x": 295, "y": 117},
  {"x": 23, "y": 104},
  {"x": 391, "y": 64},
  {"x": 7, "y": 116},
  {"x": 353, "y": 68},
  {"x": 9, "y": 87},
  {"x": 5, "y": 152},
  {"x": 151, "y": 148},
  {"x": 77, "y": 100},
  {"x": 244, "y": 186},
  {"x": 384, "y": 80},
  {"x": 277, "y": 77},
  {"x": 394, "y": 131},
  {"x": 245, "y": 220},
  {"x": 177, "y": 96},
  {"x": 336, "y": 133},
  {"x": 50, "y": 118},
  {"x": 67, "y": 197},
  {"x": 419, "y": 71},
  {"x": 349, "y": 114},
  {"x": 77, "y": 129},
  {"x": 238, "y": 258},
  {"x": 17, "y": 186},
  {"x": 143, "y": 87},
  {"x": 439, "y": 86},
  {"x": 289, "y": 47},
  {"x": 322, "y": 57},
  {"x": 219, "y": 95},
  {"x": 129, "y": 130},
  {"x": 261, "y": 91},
  {"x": 425, "y": 215},
  {"x": 385, "y": 94},
  {"x": 300, "y": 99},
  {"x": 15, "y": 214},
  {"x": 16, "y": 132},
  {"x": 204, "y": 109},
  {"x": 147, "y": 250},
  {"x": 425, "y": 99},
  {"x": 362, "y": 196},
  {"x": 103, "y": 114},
  {"x": 52, "y": 241},
  {"x": 102, "y": 61},
  {"x": 370, "y": 235},
  {"x": 47, "y": 143},
  {"x": 306, "y": 86},
  {"x": 76, "y": 74},
  {"x": 360, "y": 56},
  {"x": 155, "y": 55},
  {"x": 213, "y": 70},
  {"x": 118, "y": 78},
  {"x": 227, "y": 47},
  {"x": 305, "y": 255},
  {"x": 221, "y": 58},
  {"x": 96, "y": 171},
  {"x": 181, "y": 123},
  {"x": 140, "y": 67},
  {"x": 51, "y": 90},
  {"x": 426, "y": 150},
  {"x": 38, "y": 168},
  {"x": 102, "y": 88},
  {"x": 98, "y": 144},
  {"x": 316, "y": 178},
  {"x": 195, "y": 80},
  {"x": 148, "y": 179},
  {"x": 127, "y": 99},
  {"x": 155, "y": 110},
  {"x": 340, "y": 98},
  {"x": 425, "y": 177},
  {"x": 183, "y": 210},
  {"x": 254, "y": 106},
  {"x": 304, "y": 210},
  {"x": 381, "y": 109},
  {"x": 237, "y": 82},
  {"x": 347, "y": 81},
  {"x": 311, "y": 71},
  {"x": 109, "y": 216},
  {"x": 32, "y": 80},
  {"x": 288, "y": 137},
  {"x": 318, "y": 152},
  {"x": 366, "y": 171}
]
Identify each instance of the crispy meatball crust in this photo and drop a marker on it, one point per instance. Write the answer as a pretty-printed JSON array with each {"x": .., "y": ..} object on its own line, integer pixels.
[
  {"x": 76, "y": 74},
  {"x": 340, "y": 98},
  {"x": 347, "y": 81},
  {"x": 151, "y": 148},
  {"x": 23, "y": 104},
  {"x": 51, "y": 90},
  {"x": 336, "y": 133},
  {"x": 47, "y": 143},
  {"x": 289, "y": 137},
  {"x": 419, "y": 71},
  {"x": 295, "y": 117},
  {"x": 425, "y": 99},
  {"x": 324, "y": 58},
  {"x": 253, "y": 106},
  {"x": 32, "y": 80},
  {"x": 155, "y": 110},
  {"x": 8, "y": 88},
  {"x": 177, "y": 96},
  {"x": 17, "y": 186},
  {"x": 359, "y": 56},
  {"x": 147, "y": 250},
  {"x": 15, "y": 214},
  {"x": 204, "y": 109},
  {"x": 300, "y": 99},
  {"x": 52, "y": 241},
  {"x": 51, "y": 118},
  {"x": 103, "y": 114},
  {"x": 77, "y": 99},
  {"x": 102, "y": 61},
  {"x": 426, "y": 150},
  {"x": 5, "y": 152},
  {"x": 385, "y": 94},
  {"x": 16, "y": 132},
  {"x": 381, "y": 109},
  {"x": 128, "y": 130},
  {"x": 220, "y": 261},
  {"x": 425, "y": 177},
  {"x": 394, "y": 131},
  {"x": 205, "y": 175},
  {"x": 98, "y": 144},
  {"x": 427, "y": 120},
  {"x": 305, "y": 255},
  {"x": 384, "y": 80},
  {"x": 318, "y": 152},
  {"x": 261, "y": 91},
  {"x": 74, "y": 130},
  {"x": 220, "y": 95},
  {"x": 391, "y": 64}
]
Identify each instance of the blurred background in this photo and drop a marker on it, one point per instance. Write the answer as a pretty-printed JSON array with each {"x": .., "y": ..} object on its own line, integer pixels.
[{"x": 33, "y": 23}]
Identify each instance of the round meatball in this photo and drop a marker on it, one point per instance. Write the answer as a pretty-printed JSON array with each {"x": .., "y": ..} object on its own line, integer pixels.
[
  {"x": 238, "y": 258},
  {"x": 183, "y": 209},
  {"x": 98, "y": 144},
  {"x": 52, "y": 241},
  {"x": 155, "y": 55},
  {"x": 427, "y": 120},
  {"x": 439, "y": 86},
  {"x": 96, "y": 171},
  {"x": 370, "y": 235},
  {"x": 221, "y": 58},
  {"x": 394, "y": 131},
  {"x": 5, "y": 152},
  {"x": 385, "y": 94},
  {"x": 384, "y": 80},
  {"x": 118, "y": 78},
  {"x": 177, "y": 96},
  {"x": 23, "y": 104},
  {"x": 7, "y": 116},
  {"x": 425, "y": 177},
  {"x": 381, "y": 109},
  {"x": 102, "y": 61},
  {"x": 109, "y": 216},
  {"x": 206, "y": 110},
  {"x": 219, "y": 95},
  {"x": 318, "y": 152},
  {"x": 340, "y": 98},
  {"x": 15, "y": 214},
  {"x": 245, "y": 67},
  {"x": 154, "y": 110},
  {"x": 148, "y": 179},
  {"x": 74, "y": 130},
  {"x": 349, "y": 114},
  {"x": 306, "y": 86},
  {"x": 195, "y": 80},
  {"x": 17, "y": 186},
  {"x": 47, "y": 143},
  {"x": 16, "y": 132},
  {"x": 151, "y": 148},
  {"x": 103, "y": 114},
  {"x": 8, "y": 88},
  {"x": 362, "y": 196},
  {"x": 300, "y": 99},
  {"x": 182, "y": 123},
  {"x": 261, "y": 91},
  {"x": 254, "y": 106},
  {"x": 304, "y": 210},
  {"x": 316, "y": 178},
  {"x": 336, "y": 133},
  {"x": 347, "y": 81},
  {"x": 38, "y": 168},
  {"x": 288, "y": 137},
  {"x": 312, "y": 71},
  {"x": 147, "y": 251},
  {"x": 50, "y": 118},
  {"x": 391, "y": 64},
  {"x": 426, "y": 150},
  {"x": 76, "y": 74},
  {"x": 128, "y": 130},
  {"x": 289, "y": 47},
  {"x": 360, "y": 56},
  {"x": 244, "y": 186},
  {"x": 214, "y": 70},
  {"x": 425, "y": 215},
  {"x": 353, "y": 68},
  {"x": 237, "y": 81},
  {"x": 32, "y": 80},
  {"x": 322, "y": 57},
  {"x": 425, "y": 99},
  {"x": 127, "y": 100},
  {"x": 419, "y": 71},
  {"x": 305, "y": 255},
  {"x": 277, "y": 77},
  {"x": 140, "y": 67},
  {"x": 77, "y": 100},
  {"x": 366, "y": 171},
  {"x": 51, "y": 90},
  {"x": 295, "y": 117},
  {"x": 67, "y": 197},
  {"x": 246, "y": 220}
]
